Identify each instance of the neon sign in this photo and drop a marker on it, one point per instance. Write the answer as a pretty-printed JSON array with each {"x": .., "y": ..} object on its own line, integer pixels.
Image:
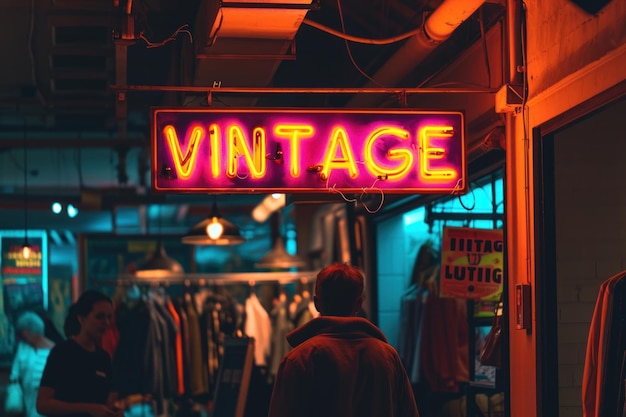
[{"x": 226, "y": 150}]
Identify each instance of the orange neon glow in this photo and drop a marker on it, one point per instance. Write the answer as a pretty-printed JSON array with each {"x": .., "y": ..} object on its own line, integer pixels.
[
  {"x": 237, "y": 146},
  {"x": 339, "y": 139},
  {"x": 294, "y": 133},
  {"x": 215, "y": 138},
  {"x": 403, "y": 155},
  {"x": 184, "y": 164},
  {"x": 428, "y": 153}
]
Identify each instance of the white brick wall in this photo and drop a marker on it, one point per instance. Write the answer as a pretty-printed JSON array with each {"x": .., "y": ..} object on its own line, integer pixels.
[{"x": 591, "y": 235}]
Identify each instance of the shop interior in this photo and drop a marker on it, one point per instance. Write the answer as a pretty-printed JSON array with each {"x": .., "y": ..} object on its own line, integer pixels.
[
  {"x": 576, "y": 264},
  {"x": 219, "y": 285},
  {"x": 76, "y": 187}
]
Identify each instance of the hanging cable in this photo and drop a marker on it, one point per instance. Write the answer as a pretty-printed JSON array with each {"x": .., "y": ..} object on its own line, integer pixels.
[
  {"x": 456, "y": 187},
  {"x": 79, "y": 167},
  {"x": 357, "y": 39},
  {"x": 335, "y": 190},
  {"x": 358, "y": 68},
  {"x": 26, "y": 246},
  {"x": 382, "y": 198},
  {"x": 182, "y": 29},
  {"x": 31, "y": 54},
  {"x": 25, "y": 193}
]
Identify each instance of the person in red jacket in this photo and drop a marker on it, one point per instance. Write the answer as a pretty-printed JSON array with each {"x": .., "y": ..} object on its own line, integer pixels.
[{"x": 341, "y": 365}]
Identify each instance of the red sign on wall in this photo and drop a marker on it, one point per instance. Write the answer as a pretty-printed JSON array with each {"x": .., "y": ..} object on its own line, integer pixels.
[{"x": 230, "y": 150}]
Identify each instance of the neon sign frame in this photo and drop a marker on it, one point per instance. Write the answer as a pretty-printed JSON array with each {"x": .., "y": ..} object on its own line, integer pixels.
[{"x": 307, "y": 151}]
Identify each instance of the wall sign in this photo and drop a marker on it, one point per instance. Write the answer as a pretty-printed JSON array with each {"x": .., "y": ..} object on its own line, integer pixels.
[
  {"x": 230, "y": 150},
  {"x": 472, "y": 263},
  {"x": 23, "y": 283}
]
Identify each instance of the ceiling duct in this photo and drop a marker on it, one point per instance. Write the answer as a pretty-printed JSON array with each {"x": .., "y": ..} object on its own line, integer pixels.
[
  {"x": 242, "y": 43},
  {"x": 272, "y": 19}
]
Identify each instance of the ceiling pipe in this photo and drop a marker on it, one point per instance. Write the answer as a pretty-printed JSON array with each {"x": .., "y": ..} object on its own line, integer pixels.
[
  {"x": 495, "y": 139},
  {"x": 514, "y": 44},
  {"x": 314, "y": 90},
  {"x": 52, "y": 142},
  {"x": 437, "y": 28}
]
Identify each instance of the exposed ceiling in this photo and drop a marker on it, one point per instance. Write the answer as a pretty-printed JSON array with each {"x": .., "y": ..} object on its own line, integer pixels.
[{"x": 86, "y": 138}]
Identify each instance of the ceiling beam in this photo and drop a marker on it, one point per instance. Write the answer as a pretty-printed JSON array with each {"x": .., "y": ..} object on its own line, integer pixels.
[{"x": 52, "y": 143}]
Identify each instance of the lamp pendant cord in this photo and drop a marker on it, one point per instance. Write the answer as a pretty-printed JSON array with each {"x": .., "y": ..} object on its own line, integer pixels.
[{"x": 25, "y": 195}]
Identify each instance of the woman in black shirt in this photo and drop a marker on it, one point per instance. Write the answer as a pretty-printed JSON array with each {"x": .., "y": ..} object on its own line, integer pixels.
[{"x": 76, "y": 381}]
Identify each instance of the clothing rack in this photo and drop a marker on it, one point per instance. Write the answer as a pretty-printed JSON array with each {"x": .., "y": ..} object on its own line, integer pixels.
[
  {"x": 186, "y": 332},
  {"x": 252, "y": 278}
]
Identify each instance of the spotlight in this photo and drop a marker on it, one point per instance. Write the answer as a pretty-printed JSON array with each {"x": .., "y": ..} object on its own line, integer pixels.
[
  {"x": 72, "y": 211},
  {"x": 57, "y": 208}
]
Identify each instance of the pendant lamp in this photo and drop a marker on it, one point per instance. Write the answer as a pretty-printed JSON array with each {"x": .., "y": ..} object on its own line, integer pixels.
[
  {"x": 159, "y": 265},
  {"x": 214, "y": 230},
  {"x": 279, "y": 258},
  {"x": 26, "y": 249}
]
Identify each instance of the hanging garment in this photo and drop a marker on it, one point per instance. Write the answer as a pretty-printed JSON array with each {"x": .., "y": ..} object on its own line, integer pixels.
[
  {"x": 412, "y": 302},
  {"x": 621, "y": 401},
  {"x": 220, "y": 319},
  {"x": 144, "y": 360},
  {"x": 128, "y": 367},
  {"x": 178, "y": 346},
  {"x": 409, "y": 325},
  {"x": 184, "y": 330},
  {"x": 281, "y": 325},
  {"x": 199, "y": 384},
  {"x": 606, "y": 344},
  {"x": 315, "y": 313},
  {"x": 444, "y": 356},
  {"x": 303, "y": 312},
  {"x": 112, "y": 336},
  {"x": 161, "y": 352},
  {"x": 259, "y": 327},
  {"x": 414, "y": 365}
]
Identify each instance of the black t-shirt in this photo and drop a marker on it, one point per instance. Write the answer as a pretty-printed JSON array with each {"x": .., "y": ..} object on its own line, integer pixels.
[{"x": 78, "y": 375}]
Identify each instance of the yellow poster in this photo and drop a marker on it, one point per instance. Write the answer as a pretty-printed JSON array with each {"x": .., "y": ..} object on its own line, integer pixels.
[{"x": 472, "y": 263}]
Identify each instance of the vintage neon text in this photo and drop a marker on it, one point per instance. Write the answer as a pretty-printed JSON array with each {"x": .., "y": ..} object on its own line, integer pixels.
[{"x": 339, "y": 151}]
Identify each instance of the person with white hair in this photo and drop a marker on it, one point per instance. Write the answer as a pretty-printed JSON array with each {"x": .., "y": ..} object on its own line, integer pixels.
[{"x": 30, "y": 359}]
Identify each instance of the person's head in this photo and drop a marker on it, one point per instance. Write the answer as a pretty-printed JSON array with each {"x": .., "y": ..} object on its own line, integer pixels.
[
  {"x": 90, "y": 315},
  {"x": 339, "y": 290},
  {"x": 29, "y": 327}
]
